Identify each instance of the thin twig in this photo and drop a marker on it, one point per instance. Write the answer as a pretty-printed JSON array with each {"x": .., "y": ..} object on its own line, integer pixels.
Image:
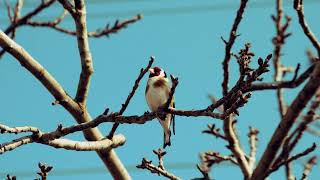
[
  {"x": 228, "y": 45},
  {"x": 131, "y": 94},
  {"x": 215, "y": 132},
  {"x": 279, "y": 41},
  {"x": 298, "y": 6},
  {"x": 308, "y": 167},
  {"x": 44, "y": 170},
  {"x": 106, "y": 31},
  {"x": 292, "y": 158},
  {"x": 146, "y": 164}
]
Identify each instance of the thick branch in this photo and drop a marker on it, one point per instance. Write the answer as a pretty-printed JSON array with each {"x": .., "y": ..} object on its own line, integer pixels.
[
  {"x": 287, "y": 122},
  {"x": 84, "y": 51},
  {"x": 52, "y": 139},
  {"x": 100, "y": 145}
]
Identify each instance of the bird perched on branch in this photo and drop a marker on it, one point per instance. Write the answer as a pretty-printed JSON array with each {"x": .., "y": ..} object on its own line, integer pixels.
[{"x": 157, "y": 94}]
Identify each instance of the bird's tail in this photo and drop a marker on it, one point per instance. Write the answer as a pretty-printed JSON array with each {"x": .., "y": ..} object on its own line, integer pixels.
[{"x": 166, "y": 138}]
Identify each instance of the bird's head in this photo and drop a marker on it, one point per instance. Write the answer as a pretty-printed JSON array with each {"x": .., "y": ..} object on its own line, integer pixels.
[{"x": 157, "y": 72}]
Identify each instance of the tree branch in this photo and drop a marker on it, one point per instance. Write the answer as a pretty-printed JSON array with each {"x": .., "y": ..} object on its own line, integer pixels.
[
  {"x": 131, "y": 94},
  {"x": 79, "y": 17},
  {"x": 52, "y": 139},
  {"x": 290, "y": 159},
  {"x": 308, "y": 167},
  {"x": 253, "y": 138},
  {"x": 232, "y": 37},
  {"x": 278, "y": 42},
  {"x": 44, "y": 170},
  {"x": 287, "y": 122},
  {"x": 106, "y": 31},
  {"x": 281, "y": 84},
  {"x": 298, "y": 6},
  {"x": 160, "y": 170}
]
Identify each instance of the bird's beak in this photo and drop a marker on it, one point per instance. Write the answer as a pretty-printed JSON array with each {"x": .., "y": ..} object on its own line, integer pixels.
[{"x": 151, "y": 70}]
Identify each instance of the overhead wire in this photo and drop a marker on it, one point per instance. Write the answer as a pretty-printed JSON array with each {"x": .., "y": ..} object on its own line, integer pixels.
[{"x": 185, "y": 9}]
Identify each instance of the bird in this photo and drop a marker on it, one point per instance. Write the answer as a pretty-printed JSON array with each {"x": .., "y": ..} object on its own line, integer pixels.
[{"x": 157, "y": 94}]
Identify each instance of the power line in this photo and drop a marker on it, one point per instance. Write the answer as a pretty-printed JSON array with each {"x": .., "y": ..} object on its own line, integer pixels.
[
  {"x": 101, "y": 170},
  {"x": 97, "y": 170},
  {"x": 175, "y": 10}
]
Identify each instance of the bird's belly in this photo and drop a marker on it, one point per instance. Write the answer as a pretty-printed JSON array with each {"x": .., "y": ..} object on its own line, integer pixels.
[{"x": 155, "y": 98}]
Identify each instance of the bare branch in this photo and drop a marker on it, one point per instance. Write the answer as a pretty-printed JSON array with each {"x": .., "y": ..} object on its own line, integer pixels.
[
  {"x": 282, "y": 84},
  {"x": 214, "y": 131},
  {"x": 146, "y": 164},
  {"x": 204, "y": 171},
  {"x": 215, "y": 158},
  {"x": 232, "y": 37},
  {"x": 9, "y": 146},
  {"x": 14, "y": 19},
  {"x": 287, "y": 122},
  {"x": 131, "y": 94},
  {"x": 160, "y": 169},
  {"x": 308, "y": 167},
  {"x": 160, "y": 153},
  {"x": 68, "y": 6},
  {"x": 290, "y": 159},
  {"x": 79, "y": 17},
  {"x": 44, "y": 170},
  {"x": 52, "y": 24},
  {"x": 234, "y": 146},
  {"x": 278, "y": 42},
  {"x": 253, "y": 138},
  {"x": 25, "y": 18},
  {"x": 101, "y": 145},
  {"x": 298, "y": 6},
  {"x": 52, "y": 139},
  {"x": 8, "y": 10},
  {"x": 107, "y": 31},
  {"x": 16, "y": 130},
  {"x": 309, "y": 118}
]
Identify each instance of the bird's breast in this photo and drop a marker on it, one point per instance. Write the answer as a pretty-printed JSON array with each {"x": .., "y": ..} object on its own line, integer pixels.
[{"x": 156, "y": 96}]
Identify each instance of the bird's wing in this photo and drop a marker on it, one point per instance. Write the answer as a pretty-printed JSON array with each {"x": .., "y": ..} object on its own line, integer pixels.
[
  {"x": 173, "y": 116},
  {"x": 172, "y": 104}
]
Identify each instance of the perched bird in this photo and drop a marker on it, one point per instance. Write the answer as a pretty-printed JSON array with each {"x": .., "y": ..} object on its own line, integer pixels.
[{"x": 157, "y": 94}]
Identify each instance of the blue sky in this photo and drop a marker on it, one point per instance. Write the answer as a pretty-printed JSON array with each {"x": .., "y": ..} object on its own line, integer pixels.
[{"x": 184, "y": 36}]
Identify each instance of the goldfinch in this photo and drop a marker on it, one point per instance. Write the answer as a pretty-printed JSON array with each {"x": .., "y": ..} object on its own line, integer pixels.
[{"x": 157, "y": 94}]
